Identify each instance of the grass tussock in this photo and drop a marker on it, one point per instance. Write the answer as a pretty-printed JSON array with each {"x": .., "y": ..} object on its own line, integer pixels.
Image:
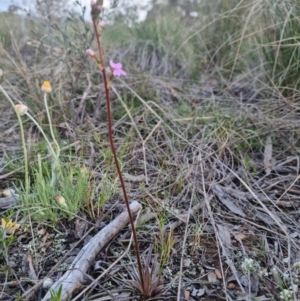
[{"x": 206, "y": 129}]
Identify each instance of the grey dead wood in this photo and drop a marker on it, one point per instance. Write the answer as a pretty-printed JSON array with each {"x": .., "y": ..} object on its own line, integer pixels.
[
  {"x": 224, "y": 236},
  {"x": 268, "y": 155},
  {"x": 74, "y": 279},
  {"x": 7, "y": 202}
]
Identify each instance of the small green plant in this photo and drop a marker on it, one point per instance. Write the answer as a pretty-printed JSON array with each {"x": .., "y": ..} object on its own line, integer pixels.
[
  {"x": 164, "y": 243},
  {"x": 150, "y": 285},
  {"x": 284, "y": 285},
  {"x": 107, "y": 189},
  {"x": 49, "y": 203},
  {"x": 56, "y": 295},
  {"x": 18, "y": 297}
]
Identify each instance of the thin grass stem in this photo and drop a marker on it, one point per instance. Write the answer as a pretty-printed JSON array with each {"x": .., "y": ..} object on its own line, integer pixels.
[
  {"x": 50, "y": 125},
  {"x": 44, "y": 135}
]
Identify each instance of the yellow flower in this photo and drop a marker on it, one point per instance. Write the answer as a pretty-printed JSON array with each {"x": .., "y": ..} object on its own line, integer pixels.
[
  {"x": 61, "y": 200},
  {"x": 21, "y": 109},
  {"x": 9, "y": 226},
  {"x": 46, "y": 87}
]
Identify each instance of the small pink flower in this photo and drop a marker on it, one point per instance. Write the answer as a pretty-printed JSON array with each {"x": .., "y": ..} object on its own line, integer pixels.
[
  {"x": 117, "y": 69},
  {"x": 101, "y": 24},
  {"x": 90, "y": 53},
  {"x": 93, "y": 2},
  {"x": 99, "y": 7}
]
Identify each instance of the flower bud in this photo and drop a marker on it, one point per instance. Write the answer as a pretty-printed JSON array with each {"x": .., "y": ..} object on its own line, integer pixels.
[
  {"x": 21, "y": 109},
  {"x": 101, "y": 24},
  {"x": 46, "y": 87},
  {"x": 90, "y": 53},
  {"x": 61, "y": 200},
  {"x": 8, "y": 192}
]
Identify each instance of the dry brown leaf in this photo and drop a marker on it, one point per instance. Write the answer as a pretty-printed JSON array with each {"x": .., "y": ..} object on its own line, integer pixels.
[
  {"x": 230, "y": 285},
  {"x": 187, "y": 262},
  {"x": 218, "y": 274},
  {"x": 187, "y": 295},
  {"x": 240, "y": 236},
  {"x": 31, "y": 272},
  {"x": 226, "y": 201},
  {"x": 268, "y": 155},
  {"x": 42, "y": 231},
  {"x": 80, "y": 227},
  {"x": 224, "y": 236},
  {"x": 212, "y": 277}
]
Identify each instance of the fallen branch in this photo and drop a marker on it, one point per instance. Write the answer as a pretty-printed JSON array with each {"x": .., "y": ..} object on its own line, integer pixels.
[{"x": 74, "y": 278}]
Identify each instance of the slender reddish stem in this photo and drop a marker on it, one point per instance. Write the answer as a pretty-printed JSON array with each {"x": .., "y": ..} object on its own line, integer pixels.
[{"x": 113, "y": 149}]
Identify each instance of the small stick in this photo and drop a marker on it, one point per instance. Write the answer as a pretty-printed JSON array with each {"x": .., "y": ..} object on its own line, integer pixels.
[{"x": 74, "y": 278}]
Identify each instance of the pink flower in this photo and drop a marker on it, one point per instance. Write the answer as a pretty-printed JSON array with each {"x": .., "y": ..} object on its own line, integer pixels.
[
  {"x": 101, "y": 24},
  {"x": 90, "y": 53},
  {"x": 117, "y": 69},
  {"x": 93, "y": 2}
]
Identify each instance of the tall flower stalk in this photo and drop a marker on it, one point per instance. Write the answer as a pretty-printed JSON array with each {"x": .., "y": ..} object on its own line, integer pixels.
[
  {"x": 46, "y": 88},
  {"x": 96, "y": 8}
]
